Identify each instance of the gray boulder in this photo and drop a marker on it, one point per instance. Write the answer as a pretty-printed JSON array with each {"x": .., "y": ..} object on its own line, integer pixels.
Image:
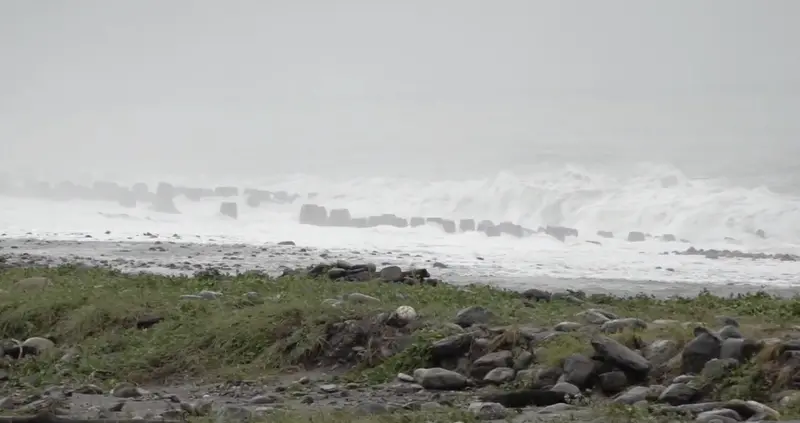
[
  {"x": 491, "y": 361},
  {"x": 622, "y": 356},
  {"x": 438, "y": 378},
  {"x": 619, "y": 325},
  {"x": 578, "y": 370},
  {"x": 391, "y": 274},
  {"x": 473, "y": 315},
  {"x": 700, "y": 350},
  {"x": 679, "y": 394}
]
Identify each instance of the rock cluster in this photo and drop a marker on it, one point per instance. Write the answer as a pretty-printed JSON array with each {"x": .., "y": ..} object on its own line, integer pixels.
[
  {"x": 362, "y": 272},
  {"x": 715, "y": 254},
  {"x": 663, "y": 375}
]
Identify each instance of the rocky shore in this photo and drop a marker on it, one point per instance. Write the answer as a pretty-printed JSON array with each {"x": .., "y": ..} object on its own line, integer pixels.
[
  {"x": 342, "y": 341},
  {"x": 173, "y": 255}
]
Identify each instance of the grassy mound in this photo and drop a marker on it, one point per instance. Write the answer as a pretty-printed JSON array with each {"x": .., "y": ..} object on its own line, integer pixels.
[{"x": 109, "y": 326}]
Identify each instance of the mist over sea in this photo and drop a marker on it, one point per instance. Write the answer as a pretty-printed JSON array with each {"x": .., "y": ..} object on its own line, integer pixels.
[{"x": 622, "y": 115}]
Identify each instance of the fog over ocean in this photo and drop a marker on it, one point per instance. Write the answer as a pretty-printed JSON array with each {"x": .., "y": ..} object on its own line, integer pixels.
[{"x": 674, "y": 117}]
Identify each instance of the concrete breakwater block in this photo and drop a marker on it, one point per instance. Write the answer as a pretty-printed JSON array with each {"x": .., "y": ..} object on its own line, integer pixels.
[
  {"x": 230, "y": 209},
  {"x": 163, "y": 202},
  {"x": 313, "y": 214},
  {"x": 226, "y": 191}
]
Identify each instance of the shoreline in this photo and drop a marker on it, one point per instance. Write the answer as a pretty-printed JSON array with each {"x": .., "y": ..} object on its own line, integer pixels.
[{"x": 170, "y": 256}]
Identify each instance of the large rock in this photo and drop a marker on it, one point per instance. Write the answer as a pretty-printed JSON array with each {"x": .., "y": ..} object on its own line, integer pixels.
[
  {"x": 473, "y": 315},
  {"x": 619, "y": 325},
  {"x": 438, "y": 378},
  {"x": 526, "y": 397},
  {"x": 613, "y": 382},
  {"x": 579, "y": 370},
  {"x": 491, "y": 361},
  {"x": 488, "y": 411},
  {"x": 500, "y": 375},
  {"x": 417, "y": 221},
  {"x": 163, "y": 200},
  {"x": 537, "y": 294},
  {"x": 621, "y": 356},
  {"x": 451, "y": 346},
  {"x": 660, "y": 351},
  {"x": 740, "y": 349},
  {"x": 230, "y": 209},
  {"x": 312, "y": 214},
  {"x": 391, "y": 274},
  {"x": 700, "y": 350},
  {"x": 679, "y": 394},
  {"x": 543, "y": 377},
  {"x": 633, "y": 395},
  {"x": 340, "y": 217},
  {"x": 39, "y": 344}
]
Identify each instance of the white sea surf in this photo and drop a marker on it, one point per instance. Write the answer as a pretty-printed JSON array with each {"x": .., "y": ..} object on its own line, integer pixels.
[{"x": 657, "y": 199}]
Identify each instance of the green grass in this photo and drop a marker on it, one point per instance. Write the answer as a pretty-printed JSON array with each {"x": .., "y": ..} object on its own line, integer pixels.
[{"x": 94, "y": 312}]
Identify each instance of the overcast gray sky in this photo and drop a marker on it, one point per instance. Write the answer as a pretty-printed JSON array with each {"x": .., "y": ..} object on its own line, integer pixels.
[{"x": 381, "y": 85}]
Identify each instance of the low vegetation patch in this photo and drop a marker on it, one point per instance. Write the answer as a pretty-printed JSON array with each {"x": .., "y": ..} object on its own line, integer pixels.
[
  {"x": 72, "y": 325},
  {"x": 149, "y": 328}
]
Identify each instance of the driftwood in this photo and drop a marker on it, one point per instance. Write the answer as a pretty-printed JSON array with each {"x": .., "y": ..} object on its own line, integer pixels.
[{"x": 48, "y": 417}]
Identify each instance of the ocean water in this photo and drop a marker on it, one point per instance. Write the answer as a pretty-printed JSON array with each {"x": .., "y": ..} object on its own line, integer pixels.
[{"x": 707, "y": 211}]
